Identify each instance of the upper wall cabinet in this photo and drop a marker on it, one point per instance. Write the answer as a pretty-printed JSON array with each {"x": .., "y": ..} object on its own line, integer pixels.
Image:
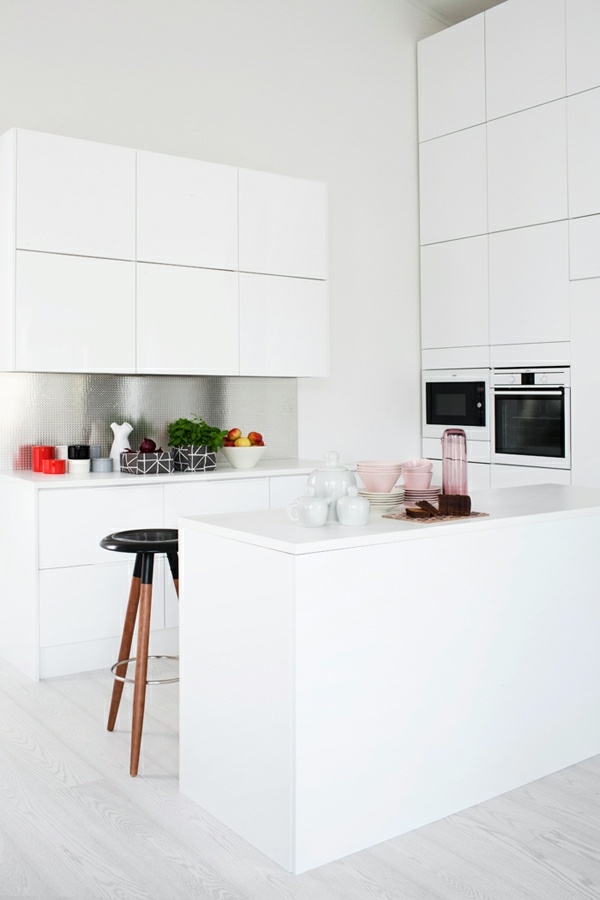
[
  {"x": 186, "y": 212},
  {"x": 452, "y": 79},
  {"x": 584, "y": 140},
  {"x": 525, "y": 55},
  {"x": 74, "y": 196},
  {"x": 454, "y": 293},
  {"x": 529, "y": 285},
  {"x": 283, "y": 225},
  {"x": 74, "y": 313},
  {"x": 527, "y": 167},
  {"x": 583, "y": 45},
  {"x": 584, "y": 247},
  {"x": 187, "y": 320},
  {"x": 453, "y": 186},
  {"x": 117, "y": 260},
  {"x": 284, "y": 326}
]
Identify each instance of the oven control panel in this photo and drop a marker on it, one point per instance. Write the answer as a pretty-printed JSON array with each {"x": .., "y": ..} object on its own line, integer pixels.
[{"x": 531, "y": 377}]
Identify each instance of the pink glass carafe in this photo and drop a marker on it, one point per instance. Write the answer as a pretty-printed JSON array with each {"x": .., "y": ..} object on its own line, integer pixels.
[{"x": 454, "y": 461}]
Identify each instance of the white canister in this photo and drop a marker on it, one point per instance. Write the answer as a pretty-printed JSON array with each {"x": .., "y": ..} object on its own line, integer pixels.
[
  {"x": 309, "y": 510},
  {"x": 353, "y": 509},
  {"x": 78, "y": 466}
]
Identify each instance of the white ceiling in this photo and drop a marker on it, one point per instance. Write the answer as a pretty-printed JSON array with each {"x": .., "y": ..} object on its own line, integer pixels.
[{"x": 452, "y": 11}]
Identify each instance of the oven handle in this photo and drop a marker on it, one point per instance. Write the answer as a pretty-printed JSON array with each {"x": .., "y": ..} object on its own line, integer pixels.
[{"x": 534, "y": 393}]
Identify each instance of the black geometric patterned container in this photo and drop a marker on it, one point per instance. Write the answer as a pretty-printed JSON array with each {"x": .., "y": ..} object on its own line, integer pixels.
[
  {"x": 194, "y": 458},
  {"x": 137, "y": 463}
]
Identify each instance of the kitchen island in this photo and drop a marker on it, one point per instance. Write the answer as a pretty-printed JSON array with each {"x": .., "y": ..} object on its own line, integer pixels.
[{"x": 341, "y": 686}]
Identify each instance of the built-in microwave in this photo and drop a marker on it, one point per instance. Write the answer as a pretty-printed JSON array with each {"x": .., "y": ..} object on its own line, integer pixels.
[{"x": 456, "y": 398}]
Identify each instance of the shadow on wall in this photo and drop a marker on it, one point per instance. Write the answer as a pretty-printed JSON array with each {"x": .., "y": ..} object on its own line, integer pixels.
[{"x": 41, "y": 408}]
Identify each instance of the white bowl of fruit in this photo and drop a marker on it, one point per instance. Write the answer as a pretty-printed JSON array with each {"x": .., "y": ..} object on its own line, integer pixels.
[{"x": 243, "y": 452}]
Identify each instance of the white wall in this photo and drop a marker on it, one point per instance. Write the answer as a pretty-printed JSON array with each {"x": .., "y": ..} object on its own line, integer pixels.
[{"x": 322, "y": 89}]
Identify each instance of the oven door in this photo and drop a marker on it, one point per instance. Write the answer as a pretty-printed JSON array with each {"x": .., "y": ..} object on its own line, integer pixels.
[{"x": 531, "y": 427}]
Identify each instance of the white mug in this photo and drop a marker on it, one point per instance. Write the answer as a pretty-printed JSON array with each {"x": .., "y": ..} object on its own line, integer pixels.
[{"x": 309, "y": 510}]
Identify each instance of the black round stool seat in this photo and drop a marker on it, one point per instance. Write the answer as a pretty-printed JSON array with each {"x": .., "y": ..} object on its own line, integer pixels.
[
  {"x": 142, "y": 540},
  {"x": 145, "y": 543}
]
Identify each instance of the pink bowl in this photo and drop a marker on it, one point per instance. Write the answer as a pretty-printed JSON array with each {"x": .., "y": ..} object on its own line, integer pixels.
[
  {"x": 380, "y": 483},
  {"x": 379, "y": 464},
  {"x": 416, "y": 481}
]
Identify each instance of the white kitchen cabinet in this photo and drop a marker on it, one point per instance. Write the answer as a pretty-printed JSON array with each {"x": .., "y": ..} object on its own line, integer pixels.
[
  {"x": 187, "y": 320},
  {"x": 282, "y": 225},
  {"x": 454, "y": 293},
  {"x": 73, "y": 314},
  {"x": 451, "y": 67},
  {"x": 74, "y": 196},
  {"x": 527, "y": 167},
  {"x": 584, "y": 139},
  {"x": 453, "y": 186},
  {"x": 585, "y": 382},
  {"x": 583, "y": 45},
  {"x": 517, "y": 476},
  {"x": 186, "y": 212},
  {"x": 284, "y": 326},
  {"x": 529, "y": 285},
  {"x": 524, "y": 55},
  {"x": 584, "y": 247}
]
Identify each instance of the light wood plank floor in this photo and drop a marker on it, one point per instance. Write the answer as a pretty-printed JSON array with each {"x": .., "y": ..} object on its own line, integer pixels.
[{"x": 75, "y": 826}]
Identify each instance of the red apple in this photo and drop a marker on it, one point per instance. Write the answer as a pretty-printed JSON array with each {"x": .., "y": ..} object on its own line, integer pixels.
[
  {"x": 227, "y": 442},
  {"x": 259, "y": 443},
  {"x": 233, "y": 434},
  {"x": 255, "y": 437}
]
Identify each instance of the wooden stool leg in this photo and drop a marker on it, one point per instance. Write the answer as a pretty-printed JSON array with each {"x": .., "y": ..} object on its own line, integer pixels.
[
  {"x": 126, "y": 640},
  {"x": 141, "y": 665},
  {"x": 174, "y": 566}
]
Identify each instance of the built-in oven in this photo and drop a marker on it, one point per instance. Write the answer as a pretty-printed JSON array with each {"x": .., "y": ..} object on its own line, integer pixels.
[
  {"x": 531, "y": 417},
  {"x": 456, "y": 398}
]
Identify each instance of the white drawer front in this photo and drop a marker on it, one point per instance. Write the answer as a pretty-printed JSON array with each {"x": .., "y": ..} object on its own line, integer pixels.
[
  {"x": 214, "y": 497},
  {"x": 86, "y": 603},
  {"x": 72, "y": 522}
]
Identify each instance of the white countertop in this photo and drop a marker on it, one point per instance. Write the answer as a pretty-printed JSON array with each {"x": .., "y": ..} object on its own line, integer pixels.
[
  {"x": 505, "y": 507},
  {"x": 223, "y": 472}
]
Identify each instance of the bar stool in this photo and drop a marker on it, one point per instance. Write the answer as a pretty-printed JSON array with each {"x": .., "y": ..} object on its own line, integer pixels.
[{"x": 145, "y": 543}]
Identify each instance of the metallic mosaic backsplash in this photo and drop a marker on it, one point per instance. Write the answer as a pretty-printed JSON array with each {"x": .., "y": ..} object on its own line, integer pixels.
[{"x": 38, "y": 408}]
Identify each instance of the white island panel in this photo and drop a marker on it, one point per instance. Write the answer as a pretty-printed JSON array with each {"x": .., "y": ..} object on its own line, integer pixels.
[{"x": 376, "y": 688}]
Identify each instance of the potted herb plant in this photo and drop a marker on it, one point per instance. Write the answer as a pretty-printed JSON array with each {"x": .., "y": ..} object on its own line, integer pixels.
[{"x": 194, "y": 444}]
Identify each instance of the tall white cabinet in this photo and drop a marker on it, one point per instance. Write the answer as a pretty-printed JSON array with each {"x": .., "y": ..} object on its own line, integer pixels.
[
  {"x": 509, "y": 129},
  {"x": 136, "y": 258}
]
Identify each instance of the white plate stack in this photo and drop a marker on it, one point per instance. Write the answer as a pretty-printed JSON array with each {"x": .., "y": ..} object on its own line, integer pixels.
[{"x": 381, "y": 502}]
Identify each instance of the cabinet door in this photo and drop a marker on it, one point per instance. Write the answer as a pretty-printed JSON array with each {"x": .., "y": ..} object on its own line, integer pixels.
[
  {"x": 74, "y": 314},
  {"x": 585, "y": 382},
  {"x": 454, "y": 293},
  {"x": 284, "y": 326},
  {"x": 453, "y": 186},
  {"x": 584, "y": 139},
  {"x": 187, "y": 320},
  {"x": 73, "y": 521},
  {"x": 75, "y": 196},
  {"x": 285, "y": 489},
  {"x": 186, "y": 212},
  {"x": 524, "y": 55},
  {"x": 283, "y": 225},
  {"x": 527, "y": 167},
  {"x": 583, "y": 45},
  {"x": 452, "y": 79},
  {"x": 584, "y": 247},
  {"x": 529, "y": 285}
]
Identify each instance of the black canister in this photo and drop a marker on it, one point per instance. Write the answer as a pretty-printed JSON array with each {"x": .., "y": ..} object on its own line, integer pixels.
[{"x": 78, "y": 451}]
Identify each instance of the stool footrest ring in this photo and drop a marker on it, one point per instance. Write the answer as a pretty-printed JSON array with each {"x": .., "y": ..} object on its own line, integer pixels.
[{"x": 132, "y": 659}]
